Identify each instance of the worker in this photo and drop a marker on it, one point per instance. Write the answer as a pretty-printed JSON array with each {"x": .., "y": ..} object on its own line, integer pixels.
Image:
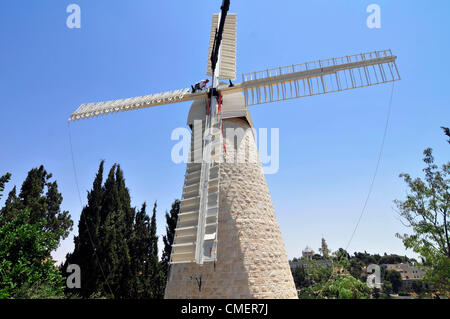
[{"x": 199, "y": 86}]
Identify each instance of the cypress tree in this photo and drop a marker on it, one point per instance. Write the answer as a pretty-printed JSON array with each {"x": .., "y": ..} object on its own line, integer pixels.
[
  {"x": 171, "y": 220},
  {"x": 114, "y": 254},
  {"x": 140, "y": 251},
  {"x": 124, "y": 230},
  {"x": 41, "y": 198},
  {"x": 31, "y": 227},
  {"x": 153, "y": 236},
  {"x": 157, "y": 277},
  {"x": 10, "y": 210},
  {"x": 125, "y": 241},
  {"x": 3, "y": 180},
  {"x": 85, "y": 254}
]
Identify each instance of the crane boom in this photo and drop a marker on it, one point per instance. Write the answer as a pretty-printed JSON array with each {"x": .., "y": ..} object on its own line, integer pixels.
[{"x": 219, "y": 34}]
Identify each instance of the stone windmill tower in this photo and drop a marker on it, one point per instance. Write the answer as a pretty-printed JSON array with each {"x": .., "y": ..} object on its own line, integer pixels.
[{"x": 227, "y": 241}]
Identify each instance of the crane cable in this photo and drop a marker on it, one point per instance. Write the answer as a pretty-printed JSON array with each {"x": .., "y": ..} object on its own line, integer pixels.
[
  {"x": 81, "y": 204},
  {"x": 380, "y": 153}
]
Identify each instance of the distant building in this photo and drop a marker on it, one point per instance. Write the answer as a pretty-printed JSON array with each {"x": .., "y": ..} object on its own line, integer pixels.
[
  {"x": 306, "y": 263},
  {"x": 308, "y": 253},
  {"x": 324, "y": 249},
  {"x": 408, "y": 272}
]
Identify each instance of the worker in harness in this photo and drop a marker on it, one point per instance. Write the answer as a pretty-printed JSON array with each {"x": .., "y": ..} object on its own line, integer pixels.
[{"x": 199, "y": 86}]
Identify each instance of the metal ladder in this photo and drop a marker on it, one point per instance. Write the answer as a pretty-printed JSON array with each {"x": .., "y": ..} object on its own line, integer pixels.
[
  {"x": 197, "y": 226},
  {"x": 206, "y": 248}
]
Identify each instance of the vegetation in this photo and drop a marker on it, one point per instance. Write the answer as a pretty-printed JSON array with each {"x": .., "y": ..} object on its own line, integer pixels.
[
  {"x": 343, "y": 276},
  {"x": 31, "y": 227},
  {"x": 116, "y": 247},
  {"x": 171, "y": 220},
  {"x": 394, "y": 278},
  {"x": 426, "y": 211}
]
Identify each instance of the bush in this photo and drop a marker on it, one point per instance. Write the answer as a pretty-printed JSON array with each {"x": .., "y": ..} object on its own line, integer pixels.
[{"x": 26, "y": 271}]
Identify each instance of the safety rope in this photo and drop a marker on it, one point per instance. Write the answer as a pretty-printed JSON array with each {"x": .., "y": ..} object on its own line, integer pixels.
[
  {"x": 220, "y": 106},
  {"x": 81, "y": 204},
  {"x": 207, "y": 104},
  {"x": 380, "y": 153},
  {"x": 221, "y": 122},
  {"x": 386, "y": 126}
]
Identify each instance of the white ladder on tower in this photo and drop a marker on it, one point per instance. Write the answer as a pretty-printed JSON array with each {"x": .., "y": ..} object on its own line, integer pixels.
[
  {"x": 197, "y": 226},
  {"x": 206, "y": 249}
]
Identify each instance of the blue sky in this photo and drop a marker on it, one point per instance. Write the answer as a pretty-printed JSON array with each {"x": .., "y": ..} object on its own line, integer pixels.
[{"x": 328, "y": 144}]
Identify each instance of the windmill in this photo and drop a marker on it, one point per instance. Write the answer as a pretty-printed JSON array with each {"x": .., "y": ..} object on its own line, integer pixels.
[{"x": 227, "y": 242}]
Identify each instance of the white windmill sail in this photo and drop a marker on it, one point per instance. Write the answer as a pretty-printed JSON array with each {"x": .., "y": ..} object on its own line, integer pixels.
[
  {"x": 228, "y": 51},
  {"x": 318, "y": 77},
  {"x": 108, "y": 107}
]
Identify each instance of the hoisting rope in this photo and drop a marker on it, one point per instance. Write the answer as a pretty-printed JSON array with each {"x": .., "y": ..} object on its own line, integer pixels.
[
  {"x": 81, "y": 205},
  {"x": 380, "y": 153},
  {"x": 207, "y": 104},
  {"x": 219, "y": 109},
  {"x": 220, "y": 106}
]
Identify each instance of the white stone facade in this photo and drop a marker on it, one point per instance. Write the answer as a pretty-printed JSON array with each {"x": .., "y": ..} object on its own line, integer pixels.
[{"x": 251, "y": 257}]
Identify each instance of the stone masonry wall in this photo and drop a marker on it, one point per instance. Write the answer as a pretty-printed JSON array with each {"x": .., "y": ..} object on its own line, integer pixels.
[{"x": 251, "y": 257}]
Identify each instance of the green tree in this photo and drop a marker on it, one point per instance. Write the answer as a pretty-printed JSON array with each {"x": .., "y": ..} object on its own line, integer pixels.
[
  {"x": 393, "y": 259},
  {"x": 104, "y": 234},
  {"x": 418, "y": 287},
  {"x": 376, "y": 293},
  {"x": 86, "y": 243},
  {"x": 117, "y": 246},
  {"x": 387, "y": 288},
  {"x": 3, "y": 180},
  {"x": 446, "y": 132},
  {"x": 143, "y": 264},
  {"x": 31, "y": 227},
  {"x": 26, "y": 271},
  {"x": 41, "y": 198},
  {"x": 158, "y": 277},
  {"x": 318, "y": 273},
  {"x": 317, "y": 257},
  {"x": 356, "y": 269},
  {"x": 113, "y": 252},
  {"x": 346, "y": 287},
  {"x": 301, "y": 277},
  {"x": 171, "y": 221},
  {"x": 337, "y": 287},
  {"x": 426, "y": 212},
  {"x": 341, "y": 258},
  {"x": 395, "y": 278}
]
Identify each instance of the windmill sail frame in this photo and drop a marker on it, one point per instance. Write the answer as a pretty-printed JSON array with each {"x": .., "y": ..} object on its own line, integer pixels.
[
  {"x": 227, "y": 56},
  {"x": 319, "y": 77}
]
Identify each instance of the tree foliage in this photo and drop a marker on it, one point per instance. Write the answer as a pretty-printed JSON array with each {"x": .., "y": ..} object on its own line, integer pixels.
[
  {"x": 3, "y": 180},
  {"x": 337, "y": 287},
  {"x": 116, "y": 247},
  {"x": 446, "y": 132},
  {"x": 171, "y": 221},
  {"x": 40, "y": 197},
  {"x": 31, "y": 227},
  {"x": 26, "y": 270},
  {"x": 395, "y": 278},
  {"x": 426, "y": 212},
  {"x": 346, "y": 287}
]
